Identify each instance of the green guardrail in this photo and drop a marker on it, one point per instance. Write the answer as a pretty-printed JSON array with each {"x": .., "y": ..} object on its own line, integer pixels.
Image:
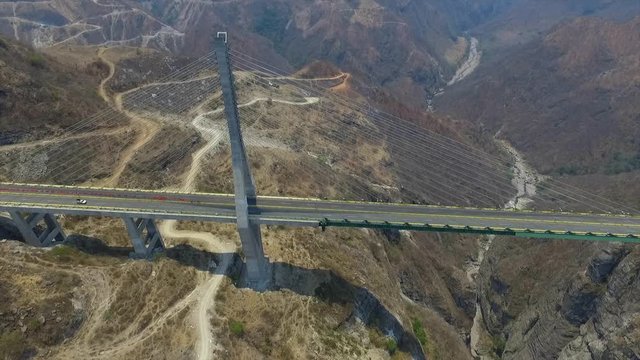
[{"x": 524, "y": 233}]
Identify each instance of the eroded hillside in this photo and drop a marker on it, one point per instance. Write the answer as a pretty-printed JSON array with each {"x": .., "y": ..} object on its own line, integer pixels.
[
  {"x": 569, "y": 102},
  {"x": 411, "y": 48}
]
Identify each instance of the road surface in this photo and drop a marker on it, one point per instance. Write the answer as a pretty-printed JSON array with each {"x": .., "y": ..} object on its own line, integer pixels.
[{"x": 294, "y": 211}]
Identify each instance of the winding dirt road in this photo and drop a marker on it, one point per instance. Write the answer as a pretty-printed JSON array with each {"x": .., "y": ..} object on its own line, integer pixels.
[
  {"x": 100, "y": 132},
  {"x": 146, "y": 129},
  {"x": 208, "y": 290},
  {"x": 205, "y": 293},
  {"x": 206, "y": 342}
]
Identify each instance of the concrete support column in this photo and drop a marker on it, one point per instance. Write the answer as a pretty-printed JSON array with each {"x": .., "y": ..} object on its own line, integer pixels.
[
  {"x": 257, "y": 265},
  {"x": 38, "y": 229},
  {"x": 144, "y": 236}
]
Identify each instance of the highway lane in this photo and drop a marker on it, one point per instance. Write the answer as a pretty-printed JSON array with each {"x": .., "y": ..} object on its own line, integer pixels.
[{"x": 295, "y": 211}]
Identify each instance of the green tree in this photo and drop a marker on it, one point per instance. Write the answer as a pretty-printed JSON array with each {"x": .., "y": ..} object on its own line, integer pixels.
[{"x": 236, "y": 327}]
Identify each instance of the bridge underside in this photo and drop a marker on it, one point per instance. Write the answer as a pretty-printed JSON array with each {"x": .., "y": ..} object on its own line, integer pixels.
[
  {"x": 38, "y": 228},
  {"x": 144, "y": 235},
  {"x": 42, "y": 229},
  {"x": 523, "y": 233}
]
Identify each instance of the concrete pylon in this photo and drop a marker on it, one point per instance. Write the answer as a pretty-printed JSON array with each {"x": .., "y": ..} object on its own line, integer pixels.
[
  {"x": 144, "y": 236},
  {"x": 257, "y": 265}
]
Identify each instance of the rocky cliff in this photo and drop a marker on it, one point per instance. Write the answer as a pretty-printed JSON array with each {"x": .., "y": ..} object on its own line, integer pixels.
[
  {"x": 562, "y": 300},
  {"x": 568, "y": 101}
]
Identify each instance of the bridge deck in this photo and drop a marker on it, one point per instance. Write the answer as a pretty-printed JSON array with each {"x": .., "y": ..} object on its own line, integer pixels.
[{"x": 303, "y": 212}]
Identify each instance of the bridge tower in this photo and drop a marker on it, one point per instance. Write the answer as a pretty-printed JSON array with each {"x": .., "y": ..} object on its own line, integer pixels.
[{"x": 257, "y": 265}]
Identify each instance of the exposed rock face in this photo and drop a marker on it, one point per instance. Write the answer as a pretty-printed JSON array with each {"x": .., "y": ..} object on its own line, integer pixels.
[
  {"x": 49, "y": 23},
  {"x": 366, "y": 307},
  {"x": 614, "y": 330},
  {"x": 587, "y": 310},
  {"x": 563, "y": 299}
]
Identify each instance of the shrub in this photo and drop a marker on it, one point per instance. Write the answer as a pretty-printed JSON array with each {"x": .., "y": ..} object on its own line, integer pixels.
[
  {"x": 391, "y": 345},
  {"x": 419, "y": 331},
  {"x": 34, "y": 325},
  {"x": 236, "y": 327},
  {"x": 65, "y": 253},
  {"x": 621, "y": 163},
  {"x": 158, "y": 256},
  {"x": 12, "y": 345},
  {"x": 37, "y": 60},
  {"x": 62, "y": 251},
  {"x": 498, "y": 345},
  {"x": 3, "y": 43}
]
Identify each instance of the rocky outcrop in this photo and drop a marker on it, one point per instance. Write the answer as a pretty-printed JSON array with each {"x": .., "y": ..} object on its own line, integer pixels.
[
  {"x": 614, "y": 330},
  {"x": 584, "y": 311},
  {"x": 366, "y": 307}
]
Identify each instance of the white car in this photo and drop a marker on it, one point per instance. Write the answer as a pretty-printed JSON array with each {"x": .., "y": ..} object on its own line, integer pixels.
[{"x": 81, "y": 201}]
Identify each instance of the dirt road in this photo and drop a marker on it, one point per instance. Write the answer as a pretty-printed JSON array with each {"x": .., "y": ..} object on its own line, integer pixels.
[{"x": 146, "y": 129}]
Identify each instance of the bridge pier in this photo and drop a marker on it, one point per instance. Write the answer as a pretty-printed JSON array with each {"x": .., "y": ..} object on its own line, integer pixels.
[
  {"x": 38, "y": 229},
  {"x": 145, "y": 237},
  {"x": 257, "y": 265}
]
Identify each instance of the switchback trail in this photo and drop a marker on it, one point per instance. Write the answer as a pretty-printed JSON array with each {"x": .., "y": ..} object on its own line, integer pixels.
[
  {"x": 146, "y": 129},
  {"x": 206, "y": 341}
]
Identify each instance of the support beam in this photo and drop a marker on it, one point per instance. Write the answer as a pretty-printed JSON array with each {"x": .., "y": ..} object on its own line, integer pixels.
[
  {"x": 144, "y": 236},
  {"x": 38, "y": 229},
  {"x": 257, "y": 265}
]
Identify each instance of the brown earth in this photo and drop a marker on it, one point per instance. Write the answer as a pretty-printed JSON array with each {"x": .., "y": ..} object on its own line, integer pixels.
[
  {"x": 41, "y": 97},
  {"x": 569, "y": 102}
]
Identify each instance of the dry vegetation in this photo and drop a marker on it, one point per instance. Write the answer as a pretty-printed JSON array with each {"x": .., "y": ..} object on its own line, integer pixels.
[
  {"x": 456, "y": 53},
  {"x": 93, "y": 304},
  {"x": 325, "y": 308},
  {"x": 343, "y": 294},
  {"x": 40, "y": 96},
  {"x": 161, "y": 162},
  {"x": 64, "y": 161}
]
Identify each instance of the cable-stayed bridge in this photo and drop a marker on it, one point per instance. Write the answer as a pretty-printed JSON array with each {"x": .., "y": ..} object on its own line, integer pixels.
[{"x": 381, "y": 158}]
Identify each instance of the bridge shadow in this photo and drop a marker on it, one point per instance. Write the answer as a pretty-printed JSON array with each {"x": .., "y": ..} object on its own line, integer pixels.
[
  {"x": 322, "y": 284},
  {"x": 328, "y": 286},
  {"x": 183, "y": 253}
]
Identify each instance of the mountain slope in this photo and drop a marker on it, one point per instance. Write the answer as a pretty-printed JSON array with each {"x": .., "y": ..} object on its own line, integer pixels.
[
  {"x": 40, "y": 96},
  {"x": 568, "y": 101},
  {"x": 412, "y": 48}
]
